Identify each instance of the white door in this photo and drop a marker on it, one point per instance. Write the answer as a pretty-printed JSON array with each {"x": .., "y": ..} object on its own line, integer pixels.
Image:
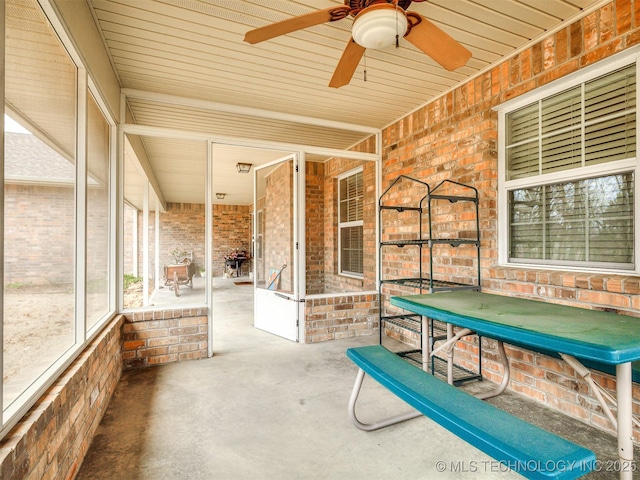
[{"x": 276, "y": 248}]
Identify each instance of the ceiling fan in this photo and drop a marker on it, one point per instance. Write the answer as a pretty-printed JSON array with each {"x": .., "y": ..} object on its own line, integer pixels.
[{"x": 377, "y": 24}]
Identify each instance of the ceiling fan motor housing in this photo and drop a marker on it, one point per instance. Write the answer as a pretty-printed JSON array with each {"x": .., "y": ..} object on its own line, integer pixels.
[{"x": 379, "y": 26}]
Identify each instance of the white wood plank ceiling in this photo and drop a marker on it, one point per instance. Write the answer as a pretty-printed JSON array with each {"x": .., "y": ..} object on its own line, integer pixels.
[{"x": 195, "y": 49}]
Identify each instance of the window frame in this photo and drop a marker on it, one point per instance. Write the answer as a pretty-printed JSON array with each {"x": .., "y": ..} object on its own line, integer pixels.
[
  {"x": 13, "y": 411},
  {"x": 340, "y": 225},
  {"x": 259, "y": 229},
  {"x": 631, "y": 56}
]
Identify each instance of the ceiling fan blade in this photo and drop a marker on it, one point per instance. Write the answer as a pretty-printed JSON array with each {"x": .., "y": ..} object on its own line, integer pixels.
[
  {"x": 347, "y": 65},
  {"x": 296, "y": 23},
  {"x": 436, "y": 43}
]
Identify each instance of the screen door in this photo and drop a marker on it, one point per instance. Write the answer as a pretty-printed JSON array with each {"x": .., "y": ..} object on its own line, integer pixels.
[{"x": 275, "y": 248}]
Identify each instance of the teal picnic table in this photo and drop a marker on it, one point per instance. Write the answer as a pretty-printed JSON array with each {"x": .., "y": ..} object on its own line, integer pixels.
[{"x": 575, "y": 334}]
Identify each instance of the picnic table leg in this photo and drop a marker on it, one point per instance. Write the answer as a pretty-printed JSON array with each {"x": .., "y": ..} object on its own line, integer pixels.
[
  {"x": 506, "y": 374},
  {"x": 450, "y": 354},
  {"x": 449, "y": 345},
  {"x": 625, "y": 420},
  {"x": 425, "y": 344},
  {"x": 601, "y": 394},
  {"x": 368, "y": 427}
]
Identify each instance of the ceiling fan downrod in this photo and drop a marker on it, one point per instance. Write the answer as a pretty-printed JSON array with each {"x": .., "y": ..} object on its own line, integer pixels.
[{"x": 397, "y": 32}]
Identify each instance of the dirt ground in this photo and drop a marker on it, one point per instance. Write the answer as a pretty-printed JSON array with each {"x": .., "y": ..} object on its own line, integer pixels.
[
  {"x": 133, "y": 295},
  {"x": 38, "y": 328}
]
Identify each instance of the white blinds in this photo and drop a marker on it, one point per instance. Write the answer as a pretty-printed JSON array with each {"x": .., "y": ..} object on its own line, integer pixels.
[
  {"x": 592, "y": 123},
  {"x": 351, "y": 233},
  {"x": 351, "y": 195}
]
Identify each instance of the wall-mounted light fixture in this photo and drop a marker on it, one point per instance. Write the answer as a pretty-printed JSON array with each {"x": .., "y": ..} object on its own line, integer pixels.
[
  {"x": 220, "y": 196},
  {"x": 243, "y": 167}
]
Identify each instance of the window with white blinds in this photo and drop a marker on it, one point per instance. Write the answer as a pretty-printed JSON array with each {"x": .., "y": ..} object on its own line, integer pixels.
[
  {"x": 592, "y": 123},
  {"x": 350, "y": 248},
  {"x": 559, "y": 211}
]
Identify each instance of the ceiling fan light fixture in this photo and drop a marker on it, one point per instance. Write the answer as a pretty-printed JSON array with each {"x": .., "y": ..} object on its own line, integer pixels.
[{"x": 377, "y": 26}]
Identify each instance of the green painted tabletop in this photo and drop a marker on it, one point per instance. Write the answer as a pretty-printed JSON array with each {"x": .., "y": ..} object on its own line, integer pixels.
[{"x": 601, "y": 336}]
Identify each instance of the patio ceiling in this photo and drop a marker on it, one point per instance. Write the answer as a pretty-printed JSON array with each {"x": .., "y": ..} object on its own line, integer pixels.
[{"x": 187, "y": 69}]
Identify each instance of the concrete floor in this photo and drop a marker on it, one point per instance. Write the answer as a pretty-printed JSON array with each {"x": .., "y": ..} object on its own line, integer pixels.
[
  {"x": 267, "y": 408},
  {"x": 164, "y": 295}
]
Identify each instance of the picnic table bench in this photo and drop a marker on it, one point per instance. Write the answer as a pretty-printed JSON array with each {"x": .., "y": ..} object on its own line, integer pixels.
[{"x": 517, "y": 444}]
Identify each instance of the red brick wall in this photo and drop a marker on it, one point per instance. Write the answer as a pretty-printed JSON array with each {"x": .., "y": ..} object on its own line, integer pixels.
[
  {"x": 260, "y": 267},
  {"x": 340, "y": 316},
  {"x": 51, "y": 440},
  {"x": 129, "y": 215},
  {"x": 330, "y": 313},
  {"x": 231, "y": 230},
  {"x": 334, "y": 283},
  {"x": 182, "y": 227},
  {"x": 455, "y": 137},
  {"x": 278, "y": 218},
  {"x": 39, "y": 234},
  {"x": 314, "y": 228},
  {"x": 164, "y": 336}
]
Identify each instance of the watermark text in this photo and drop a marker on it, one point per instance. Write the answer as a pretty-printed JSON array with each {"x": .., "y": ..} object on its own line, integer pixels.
[{"x": 486, "y": 466}]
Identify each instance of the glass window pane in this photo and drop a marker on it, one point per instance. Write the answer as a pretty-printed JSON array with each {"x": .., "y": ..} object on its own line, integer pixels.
[
  {"x": 351, "y": 194},
  {"x": 526, "y": 223},
  {"x": 562, "y": 151},
  {"x": 565, "y": 213},
  {"x": 40, "y": 82},
  {"x": 611, "y": 218},
  {"x": 561, "y": 111},
  {"x": 150, "y": 280},
  {"x": 523, "y": 160},
  {"x": 614, "y": 93},
  {"x": 522, "y": 124},
  {"x": 97, "y": 215},
  {"x": 39, "y": 212},
  {"x": 351, "y": 258},
  {"x": 588, "y": 220},
  {"x": 612, "y": 139}
]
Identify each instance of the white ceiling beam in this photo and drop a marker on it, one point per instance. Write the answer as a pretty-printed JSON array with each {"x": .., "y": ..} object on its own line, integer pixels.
[
  {"x": 150, "y": 131},
  {"x": 252, "y": 112}
]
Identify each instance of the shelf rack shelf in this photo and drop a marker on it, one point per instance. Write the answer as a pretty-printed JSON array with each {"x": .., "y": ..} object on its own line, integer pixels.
[{"x": 413, "y": 335}]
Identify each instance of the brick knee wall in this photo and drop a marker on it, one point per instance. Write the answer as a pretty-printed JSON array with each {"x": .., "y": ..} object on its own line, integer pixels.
[
  {"x": 51, "y": 440},
  {"x": 164, "y": 336},
  {"x": 331, "y": 317}
]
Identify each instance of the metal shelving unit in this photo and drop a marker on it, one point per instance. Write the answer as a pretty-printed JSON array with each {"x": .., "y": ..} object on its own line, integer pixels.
[{"x": 409, "y": 335}]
